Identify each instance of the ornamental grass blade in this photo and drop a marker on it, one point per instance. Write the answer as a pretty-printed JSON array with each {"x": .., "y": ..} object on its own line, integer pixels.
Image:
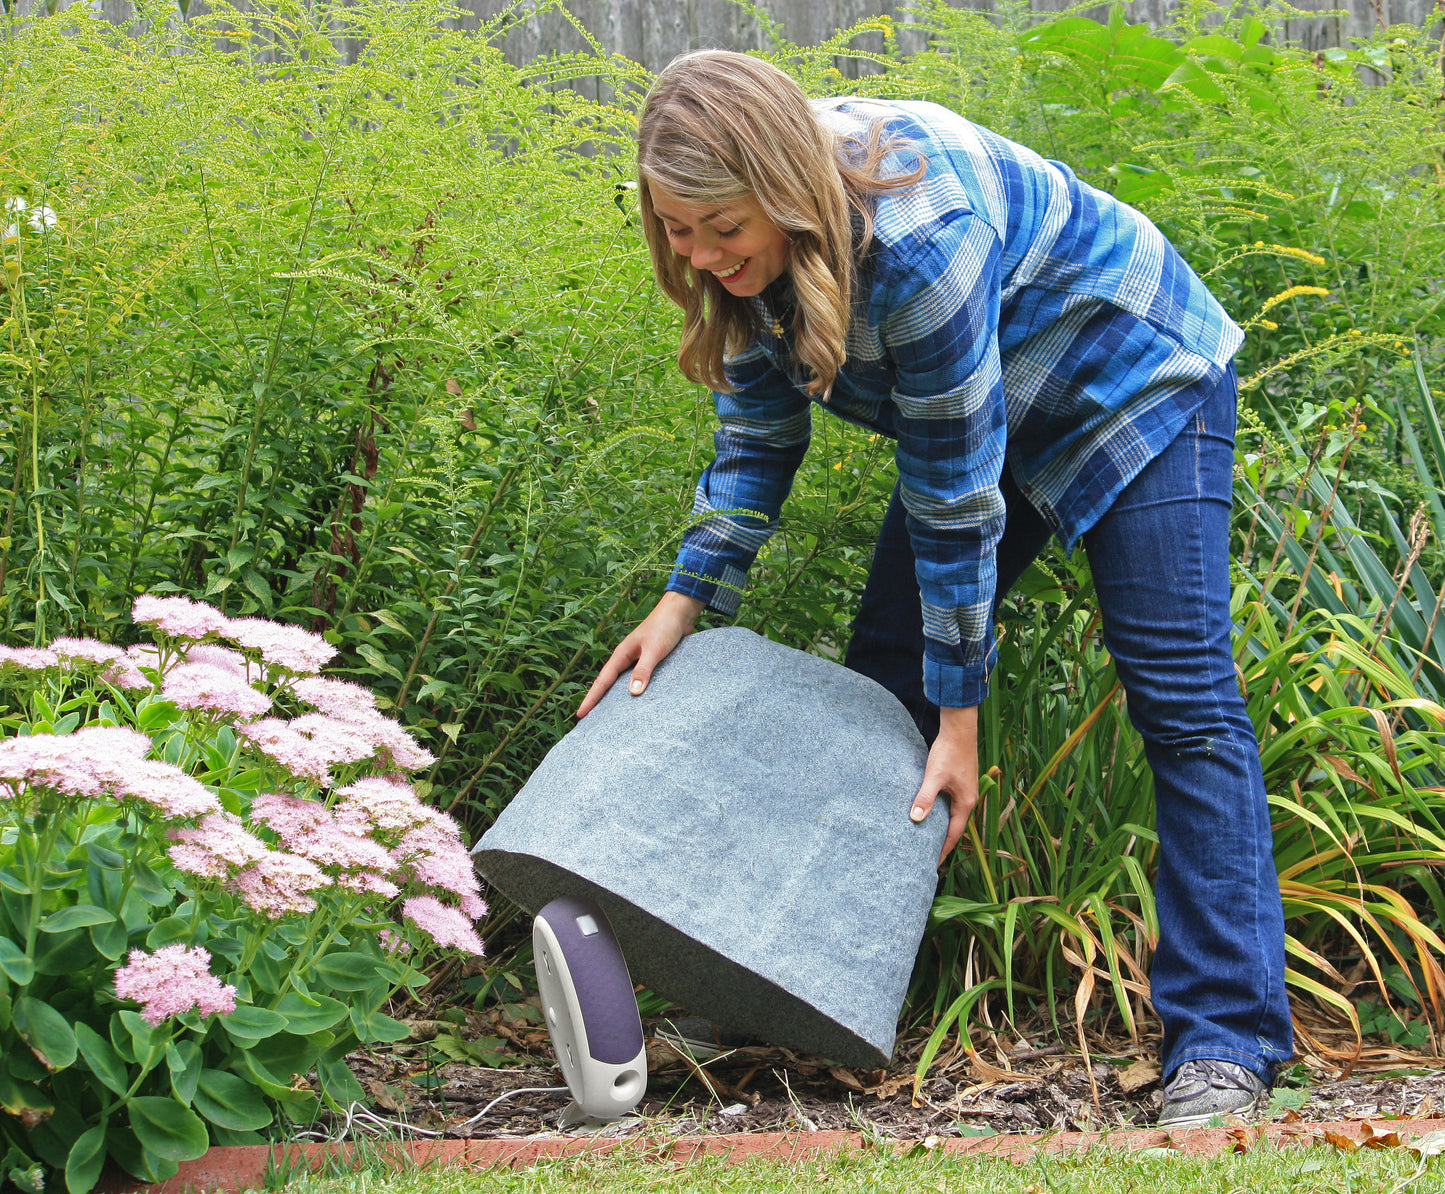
[
  {"x": 957, "y": 1014},
  {"x": 1323, "y": 993}
]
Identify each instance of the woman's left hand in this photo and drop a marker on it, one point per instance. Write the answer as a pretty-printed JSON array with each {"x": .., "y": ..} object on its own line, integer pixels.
[{"x": 952, "y": 773}]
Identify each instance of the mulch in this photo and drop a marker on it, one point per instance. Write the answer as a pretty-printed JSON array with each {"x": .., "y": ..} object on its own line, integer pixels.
[{"x": 1000, "y": 1084}]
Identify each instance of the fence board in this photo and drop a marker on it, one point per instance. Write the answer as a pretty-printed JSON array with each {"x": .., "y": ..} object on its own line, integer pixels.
[{"x": 652, "y": 32}]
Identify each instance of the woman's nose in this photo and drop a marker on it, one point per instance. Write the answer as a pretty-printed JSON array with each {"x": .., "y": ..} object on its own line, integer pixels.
[{"x": 704, "y": 255}]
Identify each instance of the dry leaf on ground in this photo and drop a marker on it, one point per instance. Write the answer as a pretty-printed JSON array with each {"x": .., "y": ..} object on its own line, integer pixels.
[
  {"x": 1431, "y": 1144},
  {"x": 1137, "y": 1076}
]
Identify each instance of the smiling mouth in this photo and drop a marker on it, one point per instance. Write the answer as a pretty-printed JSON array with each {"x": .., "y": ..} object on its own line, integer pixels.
[{"x": 724, "y": 274}]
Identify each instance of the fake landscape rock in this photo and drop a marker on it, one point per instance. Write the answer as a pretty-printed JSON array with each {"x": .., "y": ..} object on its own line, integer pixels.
[{"x": 744, "y": 825}]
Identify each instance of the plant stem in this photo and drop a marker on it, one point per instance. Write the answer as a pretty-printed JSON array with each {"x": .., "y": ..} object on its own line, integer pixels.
[{"x": 542, "y": 697}]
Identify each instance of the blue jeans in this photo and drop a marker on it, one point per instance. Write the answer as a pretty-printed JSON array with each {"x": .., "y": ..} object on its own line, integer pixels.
[{"x": 1160, "y": 560}]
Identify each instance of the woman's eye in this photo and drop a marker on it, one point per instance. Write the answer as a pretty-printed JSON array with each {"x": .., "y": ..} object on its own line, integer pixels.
[
  {"x": 674, "y": 233},
  {"x": 726, "y": 232}
]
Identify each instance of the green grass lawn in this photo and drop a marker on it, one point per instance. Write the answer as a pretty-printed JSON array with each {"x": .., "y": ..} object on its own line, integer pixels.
[{"x": 1303, "y": 1170}]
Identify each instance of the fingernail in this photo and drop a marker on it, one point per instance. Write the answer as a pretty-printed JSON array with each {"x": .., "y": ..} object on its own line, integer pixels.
[
  {"x": 917, "y": 814},
  {"x": 637, "y": 686}
]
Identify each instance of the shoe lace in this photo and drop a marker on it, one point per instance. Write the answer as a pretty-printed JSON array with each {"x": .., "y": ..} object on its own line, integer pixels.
[{"x": 1194, "y": 1076}]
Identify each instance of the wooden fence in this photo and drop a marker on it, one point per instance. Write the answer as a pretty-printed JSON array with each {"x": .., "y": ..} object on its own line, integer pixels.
[{"x": 652, "y": 32}]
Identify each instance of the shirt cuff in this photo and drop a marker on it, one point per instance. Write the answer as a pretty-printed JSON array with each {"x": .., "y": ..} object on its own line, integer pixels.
[
  {"x": 722, "y": 593},
  {"x": 951, "y": 685}
]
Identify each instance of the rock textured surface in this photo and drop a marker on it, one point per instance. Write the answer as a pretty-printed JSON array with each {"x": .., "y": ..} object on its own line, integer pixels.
[{"x": 744, "y": 825}]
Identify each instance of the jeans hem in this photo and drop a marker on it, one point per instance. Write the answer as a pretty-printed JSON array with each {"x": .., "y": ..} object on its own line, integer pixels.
[{"x": 1260, "y": 1067}]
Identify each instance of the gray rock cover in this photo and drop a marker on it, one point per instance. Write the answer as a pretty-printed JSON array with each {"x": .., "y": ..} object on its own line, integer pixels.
[{"x": 744, "y": 825}]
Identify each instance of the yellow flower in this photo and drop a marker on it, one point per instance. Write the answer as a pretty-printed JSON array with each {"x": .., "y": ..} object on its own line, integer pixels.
[{"x": 1302, "y": 254}]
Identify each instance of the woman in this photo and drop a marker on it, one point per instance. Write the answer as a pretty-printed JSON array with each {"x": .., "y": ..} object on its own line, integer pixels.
[{"x": 1047, "y": 364}]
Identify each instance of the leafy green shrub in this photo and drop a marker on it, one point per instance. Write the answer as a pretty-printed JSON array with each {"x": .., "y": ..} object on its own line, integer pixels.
[
  {"x": 373, "y": 347},
  {"x": 156, "y": 809},
  {"x": 369, "y": 347}
]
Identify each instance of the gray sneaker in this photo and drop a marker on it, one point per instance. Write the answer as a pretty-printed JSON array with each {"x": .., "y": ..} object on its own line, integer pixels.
[{"x": 1200, "y": 1090}]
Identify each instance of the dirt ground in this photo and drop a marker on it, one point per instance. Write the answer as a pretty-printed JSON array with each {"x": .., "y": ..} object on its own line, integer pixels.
[{"x": 1007, "y": 1085}]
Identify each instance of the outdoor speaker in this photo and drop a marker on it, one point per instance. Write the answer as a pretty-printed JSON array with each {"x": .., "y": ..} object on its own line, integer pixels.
[{"x": 591, "y": 1010}]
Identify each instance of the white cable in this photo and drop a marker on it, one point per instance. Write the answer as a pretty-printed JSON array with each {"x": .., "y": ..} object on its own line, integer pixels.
[
  {"x": 358, "y": 1117},
  {"x": 520, "y": 1090}
]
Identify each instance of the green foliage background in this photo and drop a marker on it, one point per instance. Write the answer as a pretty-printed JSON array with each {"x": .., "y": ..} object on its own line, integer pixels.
[{"x": 374, "y": 347}]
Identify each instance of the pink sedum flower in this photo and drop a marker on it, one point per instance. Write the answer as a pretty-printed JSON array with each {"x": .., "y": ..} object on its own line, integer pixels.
[
  {"x": 309, "y": 829},
  {"x": 433, "y": 854},
  {"x": 93, "y": 761},
  {"x": 398, "y": 747},
  {"x": 294, "y": 751},
  {"x": 277, "y": 885},
  {"x": 176, "y": 794},
  {"x": 393, "y": 943},
  {"x": 215, "y": 655},
  {"x": 380, "y": 803},
  {"x": 355, "y": 707},
  {"x": 310, "y": 745},
  {"x": 216, "y": 847},
  {"x": 208, "y": 689},
  {"x": 337, "y": 698},
  {"x": 86, "y": 650},
  {"x": 103, "y": 761},
  {"x": 144, "y": 655},
  {"x": 334, "y": 848},
  {"x": 289, "y": 816},
  {"x": 26, "y": 659},
  {"x": 179, "y": 617},
  {"x": 270, "y": 882},
  {"x": 442, "y": 923},
  {"x": 338, "y": 741},
  {"x": 172, "y": 981},
  {"x": 288, "y": 647},
  {"x": 124, "y": 674}
]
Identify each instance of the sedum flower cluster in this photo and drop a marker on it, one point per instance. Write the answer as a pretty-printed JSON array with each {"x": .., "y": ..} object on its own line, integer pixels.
[
  {"x": 172, "y": 981},
  {"x": 214, "y": 877},
  {"x": 336, "y": 818}
]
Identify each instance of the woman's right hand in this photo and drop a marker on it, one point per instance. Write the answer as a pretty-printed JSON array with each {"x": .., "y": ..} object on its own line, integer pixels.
[{"x": 671, "y": 620}]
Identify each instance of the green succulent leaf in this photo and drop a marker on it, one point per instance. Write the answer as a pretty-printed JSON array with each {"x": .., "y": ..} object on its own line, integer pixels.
[
  {"x": 46, "y": 1031},
  {"x": 77, "y": 917},
  {"x": 17, "y": 967},
  {"x": 167, "y": 1129},
  {"x": 104, "y": 1062},
  {"x": 308, "y": 1014},
  {"x": 230, "y": 1102},
  {"x": 247, "y": 1024},
  {"x": 86, "y": 1159},
  {"x": 348, "y": 971}
]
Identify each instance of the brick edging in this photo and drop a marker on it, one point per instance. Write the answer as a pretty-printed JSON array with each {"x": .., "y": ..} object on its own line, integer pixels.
[{"x": 238, "y": 1168}]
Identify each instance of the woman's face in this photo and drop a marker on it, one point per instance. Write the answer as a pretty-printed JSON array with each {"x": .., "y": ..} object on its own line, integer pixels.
[{"x": 736, "y": 243}]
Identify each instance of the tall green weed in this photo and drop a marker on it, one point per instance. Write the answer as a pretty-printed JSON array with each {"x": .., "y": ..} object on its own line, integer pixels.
[{"x": 370, "y": 347}]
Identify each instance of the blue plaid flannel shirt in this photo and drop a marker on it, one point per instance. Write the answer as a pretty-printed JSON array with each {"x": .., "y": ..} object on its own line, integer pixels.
[{"x": 1005, "y": 311}]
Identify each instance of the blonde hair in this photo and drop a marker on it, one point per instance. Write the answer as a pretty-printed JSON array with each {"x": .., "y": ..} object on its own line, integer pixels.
[{"x": 718, "y": 127}]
